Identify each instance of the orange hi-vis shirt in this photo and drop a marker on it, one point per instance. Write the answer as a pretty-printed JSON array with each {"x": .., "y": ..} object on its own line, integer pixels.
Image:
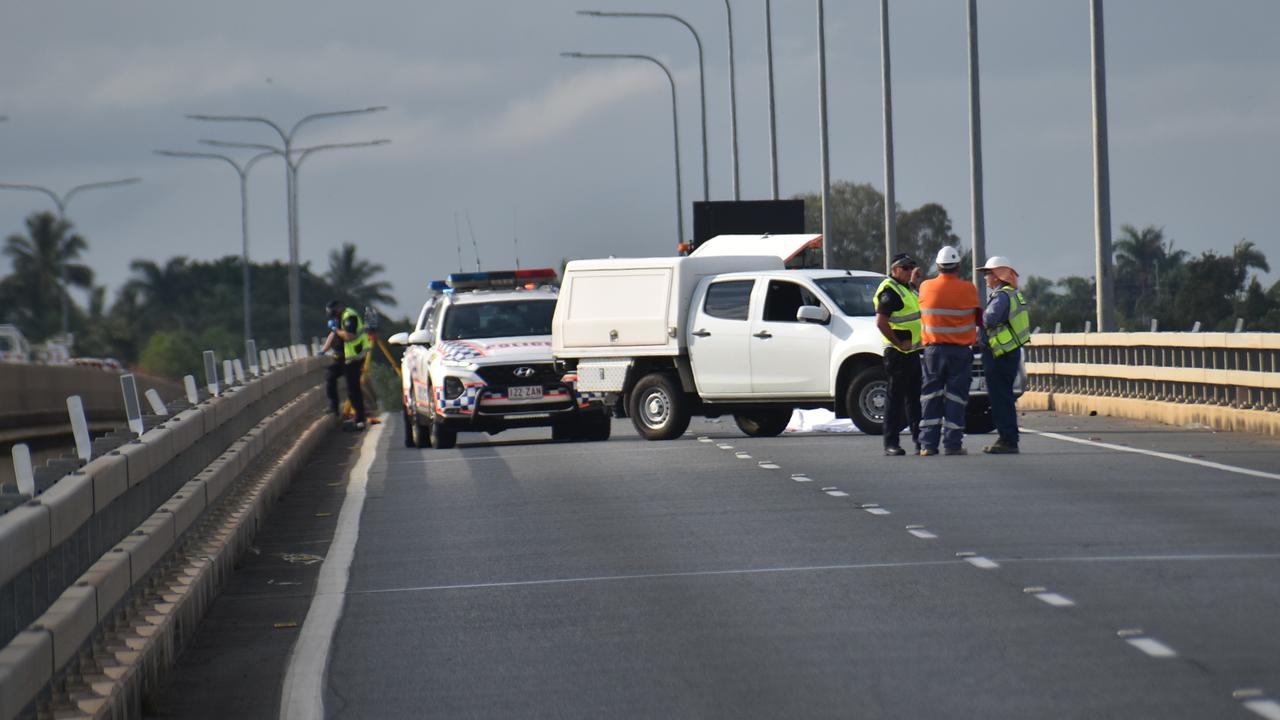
[{"x": 948, "y": 311}]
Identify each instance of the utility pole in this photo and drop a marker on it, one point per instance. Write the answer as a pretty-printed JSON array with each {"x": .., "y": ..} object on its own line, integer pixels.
[
  {"x": 1101, "y": 178},
  {"x": 890, "y": 203},
  {"x": 824, "y": 150},
  {"x": 979, "y": 227}
]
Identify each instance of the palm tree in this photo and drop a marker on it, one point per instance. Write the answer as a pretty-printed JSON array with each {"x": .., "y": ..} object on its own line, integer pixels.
[
  {"x": 352, "y": 278},
  {"x": 162, "y": 290},
  {"x": 1144, "y": 258},
  {"x": 1246, "y": 257},
  {"x": 44, "y": 268}
]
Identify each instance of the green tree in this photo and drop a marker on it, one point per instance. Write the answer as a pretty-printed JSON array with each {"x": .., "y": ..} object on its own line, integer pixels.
[
  {"x": 44, "y": 268},
  {"x": 165, "y": 291},
  {"x": 353, "y": 279},
  {"x": 1146, "y": 270}
]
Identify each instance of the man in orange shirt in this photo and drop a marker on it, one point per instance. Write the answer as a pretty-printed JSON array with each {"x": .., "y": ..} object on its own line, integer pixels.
[{"x": 950, "y": 313}]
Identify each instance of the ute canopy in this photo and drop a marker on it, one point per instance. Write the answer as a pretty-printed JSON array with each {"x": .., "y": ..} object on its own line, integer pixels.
[{"x": 790, "y": 248}]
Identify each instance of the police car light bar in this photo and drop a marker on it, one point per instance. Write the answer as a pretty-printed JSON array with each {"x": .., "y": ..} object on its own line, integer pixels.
[
  {"x": 497, "y": 279},
  {"x": 437, "y": 285}
]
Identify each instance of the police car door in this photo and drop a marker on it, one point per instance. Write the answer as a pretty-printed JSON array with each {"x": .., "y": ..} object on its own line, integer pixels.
[
  {"x": 789, "y": 358},
  {"x": 718, "y": 335}
]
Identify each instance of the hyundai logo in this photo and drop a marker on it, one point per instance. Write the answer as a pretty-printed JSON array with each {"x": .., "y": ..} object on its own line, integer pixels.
[{"x": 524, "y": 372}]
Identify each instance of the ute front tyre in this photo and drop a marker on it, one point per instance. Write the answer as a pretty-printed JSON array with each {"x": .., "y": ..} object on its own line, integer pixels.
[
  {"x": 659, "y": 409},
  {"x": 408, "y": 429},
  {"x": 867, "y": 398},
  {"x": 763, "y": 423},
  {"x": 596, "y": 427},
  {"x": 442, "y": 438}
]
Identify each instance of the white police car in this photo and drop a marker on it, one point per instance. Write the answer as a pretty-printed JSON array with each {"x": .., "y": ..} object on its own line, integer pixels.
[{"x": 479, "y": 359}]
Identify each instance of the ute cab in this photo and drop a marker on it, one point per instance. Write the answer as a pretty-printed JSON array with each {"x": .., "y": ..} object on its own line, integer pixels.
[{"x": 479, "y": 360}]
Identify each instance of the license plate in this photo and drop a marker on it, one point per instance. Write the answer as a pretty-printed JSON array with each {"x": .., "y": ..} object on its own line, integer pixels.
[{"x": 525, "y": 392}]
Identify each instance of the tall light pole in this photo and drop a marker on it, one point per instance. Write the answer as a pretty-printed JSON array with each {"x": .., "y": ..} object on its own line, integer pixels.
[
  {"x": 242, "y": 170},
  {"x": 733, "y": 105},
  {"x": 1101, "y": 177},
  {"x": 890, "y": 202},
  {"x": 824, "y": 151},
  {"x": 702, "y": 79},
  {"x": 773, "y": 111},
  {"x": 975, "y": 153},
  {"x": 61, "y": 202},
  {"x": 675, "y": 121},
  {"x": 295, "y": 293}
]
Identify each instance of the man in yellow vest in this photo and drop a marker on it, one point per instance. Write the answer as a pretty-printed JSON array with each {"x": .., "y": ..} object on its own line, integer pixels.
[
  {"x": 898, "y": 318},
  {"x": 349, "y": 343},
  {"x": 1007, "y": 327},
  {"x": 949, "y": 313}
]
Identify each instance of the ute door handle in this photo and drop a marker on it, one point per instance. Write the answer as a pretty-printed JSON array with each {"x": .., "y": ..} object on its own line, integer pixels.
[
  {"x": 700, "y": 333},
  {"x": 763, "y": 335}
]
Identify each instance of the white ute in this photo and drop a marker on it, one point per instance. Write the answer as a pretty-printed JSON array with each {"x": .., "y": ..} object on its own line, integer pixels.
[
  {"x": 479, "y": 359},
  {"x": 712, "y": 335}
]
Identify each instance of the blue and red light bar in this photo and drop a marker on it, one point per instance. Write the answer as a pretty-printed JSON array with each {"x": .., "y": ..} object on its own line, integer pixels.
[{"x": 499, "y": 279}]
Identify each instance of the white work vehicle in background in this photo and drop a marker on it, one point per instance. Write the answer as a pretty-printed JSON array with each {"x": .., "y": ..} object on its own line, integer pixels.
[
  {"x": 479, "y": 360},
  {"x": 722, "y": 334}
]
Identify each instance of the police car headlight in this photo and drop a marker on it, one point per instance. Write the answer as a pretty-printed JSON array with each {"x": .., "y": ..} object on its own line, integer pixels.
[
  {"x": 452, "y": 388},
  {"x": 460, "y": 364}
]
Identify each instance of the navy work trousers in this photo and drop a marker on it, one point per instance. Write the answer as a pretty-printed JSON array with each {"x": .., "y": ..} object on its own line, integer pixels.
[
  {"x": 948, "y": 370},
  {"x": 1001, "y": 372},
  {"x": 903, "y": 407},
  {"x": 350, "y": 371}
]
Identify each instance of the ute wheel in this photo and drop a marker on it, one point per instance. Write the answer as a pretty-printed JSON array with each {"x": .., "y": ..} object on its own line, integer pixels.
[
  {"x": 441, "y": 437},
  {"x": 596, "y": 427},
  {"x": 409, "y": 440},
  {"x": 763, "y": 423},
  {"x": 867, "y": 398},
  {"x": 659, "y": 409},
  {"x": 563, "y": 431}
]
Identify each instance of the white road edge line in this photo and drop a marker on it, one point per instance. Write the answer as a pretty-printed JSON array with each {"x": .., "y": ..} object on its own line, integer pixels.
[
  {"x": 1157, "y": 454},
  {"x": 923, "y": 534},
  {"x": 983, "y": 563},
  {"x": 1153, "y": 647},
  {"x": 303, "y": 693},
  {"x": 1269, "y": 709},
  {"x": 1055, "y": 599}
]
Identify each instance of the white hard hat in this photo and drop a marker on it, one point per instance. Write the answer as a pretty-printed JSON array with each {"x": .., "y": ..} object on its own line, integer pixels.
[
  {"x": 947, "y": 256},
  {"x": 997, "y": 261}
]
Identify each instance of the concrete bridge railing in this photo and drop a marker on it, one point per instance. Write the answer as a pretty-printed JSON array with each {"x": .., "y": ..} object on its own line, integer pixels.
[{"x": 1227, "y": 381}]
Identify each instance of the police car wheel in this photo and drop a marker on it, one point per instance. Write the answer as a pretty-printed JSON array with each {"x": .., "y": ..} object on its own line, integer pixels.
[
  {"x": 763, "y": 423},
  {"x": 442, "y": 438},
  {"x": 659, "y": 409},
  {"x": 596, "y": 427},
  {"x": 409, "y": 439},
  {"x": 866, "y": 399}
]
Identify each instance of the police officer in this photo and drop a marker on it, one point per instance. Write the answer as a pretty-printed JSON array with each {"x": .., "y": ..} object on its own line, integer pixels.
[
  {"x": 898, "y": 318},
  {"x": 1007, "y": 327},
  {"x": 949, "y": 313},
  {"x": 349, "y": 343}
]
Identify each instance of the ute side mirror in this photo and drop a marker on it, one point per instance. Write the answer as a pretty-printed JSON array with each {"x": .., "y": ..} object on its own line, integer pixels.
[
  {"x": 400, "y": 338},
  {"x": 420, "y": 337},
  {"x": 813, "y": 314}
]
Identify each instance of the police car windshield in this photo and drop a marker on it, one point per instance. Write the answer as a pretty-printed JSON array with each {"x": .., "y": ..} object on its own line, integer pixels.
[
  {"x": 510, "y": 318},
  {"x": 854, "y": 294}
]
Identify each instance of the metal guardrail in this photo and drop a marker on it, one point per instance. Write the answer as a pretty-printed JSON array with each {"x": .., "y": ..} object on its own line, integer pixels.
[{"x": 72, "y": 554}]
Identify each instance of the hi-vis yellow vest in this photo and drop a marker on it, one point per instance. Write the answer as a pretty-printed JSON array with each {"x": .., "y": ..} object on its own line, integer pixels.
[
  {"x": 1009, "y": 336},
  {"x": 907, "y": 318}
]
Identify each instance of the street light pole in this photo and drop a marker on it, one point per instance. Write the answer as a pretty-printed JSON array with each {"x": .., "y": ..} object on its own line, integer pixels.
[
  {"x": 675, "y": 122},
  {"x": 822, "y": 136},
  {"x": 975, "y": 153},
  {"x": 243, "y": 172},
  {"x": 702, "y": 79},
  {"x": 1101, "y": 177},
  {"x": 773, "y": 111},
  {"x": 295, "y": 293},
  {"x": 890, "y": 201},
  {"x": 733, "y": 105},
  {"x": 61, "y": 202}
]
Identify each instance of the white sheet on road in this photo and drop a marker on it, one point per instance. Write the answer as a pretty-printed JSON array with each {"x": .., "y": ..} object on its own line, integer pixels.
[{"x": 819, "y": 420}]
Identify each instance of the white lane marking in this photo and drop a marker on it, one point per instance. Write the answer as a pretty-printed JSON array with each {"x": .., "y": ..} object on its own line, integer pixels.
[
  {"x": 1055, "y": 599},
  {"x": 1269, "y": 709},
  {"x": 983, "y": 563},
  {"x": 660, "y": 576},
  {"x": 801, "y": 478},
  {"x": 923, "y": 534},
  {"x": 1152, "y": 647},
  {"x": 770, "y": 466},
  {"x": 704, "y": 439},
  {"x": 1157, "y": 454},
  {"x": 1148, "y": 558},
  {"x": 876, "y": 510},
  {"x": 836, "y": 493},
  {"x": 725, "y": 446},
  {"x": 303, "y": 692},
  {"x": 742, "y": 456}
]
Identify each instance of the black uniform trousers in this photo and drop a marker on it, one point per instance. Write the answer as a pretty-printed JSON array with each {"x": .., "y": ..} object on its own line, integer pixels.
[
  {"x": 903, "y": 407},
  {"x": 351, "y": 371}
]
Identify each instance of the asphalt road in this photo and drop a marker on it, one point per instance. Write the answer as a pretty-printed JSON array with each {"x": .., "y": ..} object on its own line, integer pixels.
[{"x": 515, "y": 577}]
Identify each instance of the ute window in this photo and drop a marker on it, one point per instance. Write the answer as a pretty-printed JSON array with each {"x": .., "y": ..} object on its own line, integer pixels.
[
  {"x": 855, "y": 296},
  {"x": 784, "y": 299},
  {"x": 512, "y": 318},
  {"x": 729, "y": 300}
]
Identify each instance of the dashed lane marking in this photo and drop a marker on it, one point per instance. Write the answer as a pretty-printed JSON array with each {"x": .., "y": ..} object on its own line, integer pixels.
[
  {"x": 1152, "y": 647},
  {"x": 770, "y": 466},
  {"x": 921, "y": 532},
  {"x": 704, "y": 439},
  {"x": 801, "y": 478},
  {"x": 1265, "y": 707},
  {"x": 875, "y": 509},
  {"x": 742, "y": 456},
  {"x": 983, "y": 563},
  {"x": 725, "y": 446},
  {"x": 1157, "y": 454},
  {"x": 1055, "y": 599}
]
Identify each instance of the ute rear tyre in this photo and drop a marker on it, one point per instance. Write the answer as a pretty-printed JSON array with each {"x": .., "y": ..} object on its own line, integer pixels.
[
  {"x": 419, "y": 432},
  {"x": 658, "y": 408},
  {"x": 867, "y": 398},
  {"x": 408, "y": 429},
  {"x": 763, "y": 423},
  {"x": 442, "y": 438}
]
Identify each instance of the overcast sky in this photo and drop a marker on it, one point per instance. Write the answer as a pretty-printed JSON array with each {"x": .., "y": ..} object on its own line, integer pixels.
[{"x": 574, "y": 157}]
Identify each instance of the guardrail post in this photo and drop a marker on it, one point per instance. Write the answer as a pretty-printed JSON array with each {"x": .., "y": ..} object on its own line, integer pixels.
[
  {"x": 1239, "y": 324},
  {"x": 1196, "y": 327},
  {"x": 239, "y": 368},
  {"x": 132, "y": 408},
  {"x": 1057, "y": 328},
  {"x": 228, "y": 374},
  {"x": 251, "y": 356},
  {"x": 157, "y": 405},
  {"x": 79, "y": 428},
  {"x": 22, "y": 470},
  {"x": 1088, "y": 326},
  {"x": 211, "y": 372},
  {"x": 1155, "y": 325},
  {"x": 264, "y": 361},
  {"x": 193, "y": 395}
]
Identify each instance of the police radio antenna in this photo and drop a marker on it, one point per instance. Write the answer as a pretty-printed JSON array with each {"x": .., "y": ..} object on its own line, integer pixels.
[
  {"x": 457, "y": 234},
  {"x": 474, "y": 245},
  {"x": 515, "y": 237}
]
